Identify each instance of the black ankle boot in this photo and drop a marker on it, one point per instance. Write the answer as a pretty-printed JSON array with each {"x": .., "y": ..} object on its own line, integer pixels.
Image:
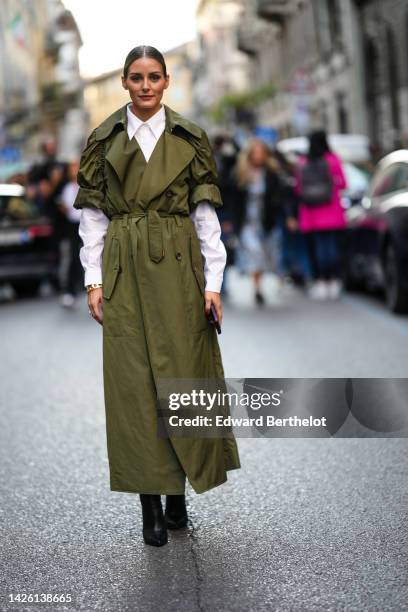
[
  {"x": 176, "y": 511},
  {"x": 259, "y": 298},
  {"x": 154, "y": 526}
]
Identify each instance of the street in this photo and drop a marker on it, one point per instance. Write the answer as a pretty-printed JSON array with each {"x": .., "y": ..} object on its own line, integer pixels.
[
  {"x": 305, "y": 524},
  {"x": 142, "y": 146}
]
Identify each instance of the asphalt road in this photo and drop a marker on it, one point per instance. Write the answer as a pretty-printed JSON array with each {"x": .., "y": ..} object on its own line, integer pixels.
[{"x": 305, "y": 524}]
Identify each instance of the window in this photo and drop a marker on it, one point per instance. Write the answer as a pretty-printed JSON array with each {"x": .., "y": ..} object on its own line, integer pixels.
[
  {"x": 393, "y": 78},
  {"x": 372, "y": 64},
  {"x": 335, "y": 25},
  {"x": 321, "y": 21},
  {"x": 342, "y": 114},
  {"x": 402, "y": 177},
  {"x": 388, "y": 180}
]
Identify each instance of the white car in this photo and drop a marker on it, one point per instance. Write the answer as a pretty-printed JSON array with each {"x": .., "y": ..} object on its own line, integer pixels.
[{"x": 377, "y": 237}]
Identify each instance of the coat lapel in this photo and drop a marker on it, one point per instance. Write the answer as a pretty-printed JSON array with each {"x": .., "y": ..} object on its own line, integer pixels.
[
  {"x": 121, "y": 153},
  {"x": 170, "y": 156}
]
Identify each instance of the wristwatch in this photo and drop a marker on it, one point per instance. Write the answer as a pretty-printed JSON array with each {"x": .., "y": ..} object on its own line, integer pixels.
[{"x": 93, "y": 286}]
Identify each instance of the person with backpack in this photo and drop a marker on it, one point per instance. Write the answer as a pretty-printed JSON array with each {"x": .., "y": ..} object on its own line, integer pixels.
[{"x": 319, "y": 181}]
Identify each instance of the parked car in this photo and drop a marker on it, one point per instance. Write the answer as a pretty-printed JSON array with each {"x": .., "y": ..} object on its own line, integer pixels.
[
  {"x": 357, "y": 185},
  {"x": 376, "y": 245},
  {"x": 28, "y": 251}
]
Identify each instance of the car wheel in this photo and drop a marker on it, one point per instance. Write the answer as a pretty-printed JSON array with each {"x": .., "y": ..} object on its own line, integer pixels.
[
  {"x": 350, "y": 282},
  {"x": 27, "y": 288},
  {"x": 395, "y": 291}
]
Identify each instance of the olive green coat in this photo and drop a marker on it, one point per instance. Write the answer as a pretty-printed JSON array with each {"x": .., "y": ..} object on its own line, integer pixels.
[{"x": 154, "y": 325}]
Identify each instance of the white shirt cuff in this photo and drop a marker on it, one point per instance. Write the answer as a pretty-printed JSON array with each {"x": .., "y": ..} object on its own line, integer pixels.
[
  {"x": 214, "y": 282},
  {"x": 92, "y": 229},
  {"x": 93, "y": 276}
]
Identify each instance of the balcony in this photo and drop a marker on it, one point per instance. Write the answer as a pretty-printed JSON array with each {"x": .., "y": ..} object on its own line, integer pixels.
[
  {"x": 247, "y": 40},
  {"x": 274, "y": 10}
]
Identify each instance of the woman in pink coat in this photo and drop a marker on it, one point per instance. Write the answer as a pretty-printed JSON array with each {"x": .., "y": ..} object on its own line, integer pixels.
[{"x": 319, "y": 181}]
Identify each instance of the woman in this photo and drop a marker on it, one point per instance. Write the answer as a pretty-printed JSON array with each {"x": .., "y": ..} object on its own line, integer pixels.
[
  {"x": 148, "y": 188},
  {"x": 257, "y": 210},
  {"x": 319, "y": 181}
]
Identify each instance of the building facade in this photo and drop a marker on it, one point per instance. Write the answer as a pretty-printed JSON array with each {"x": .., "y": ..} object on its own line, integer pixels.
[
  {"x": 219, "y": 67},
  {"x": 40, "y": 84},
  {"x": 103, "y": 95},
  {"x": 337, "y": 64},
  {"x": 310, "y": 50},
  {"x": 179, "y": 94},
  {"x": 384, "y": 35}
]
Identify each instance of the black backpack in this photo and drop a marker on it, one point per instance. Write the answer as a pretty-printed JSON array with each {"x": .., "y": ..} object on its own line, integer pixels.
[{"x": 316, "y": 186}]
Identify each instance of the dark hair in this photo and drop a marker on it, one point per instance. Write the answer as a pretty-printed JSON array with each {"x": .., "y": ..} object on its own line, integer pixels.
[
  {"x": 143, "y": 51},
  {"x": 318, "y": 144}
]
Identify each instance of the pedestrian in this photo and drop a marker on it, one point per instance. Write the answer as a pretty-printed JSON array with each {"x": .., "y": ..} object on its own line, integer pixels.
[
  {"x": 153, "y": 260},
  {"x": 258, "y": 206},
  {"x": 319, "y": 181},
  {"x": 50, "y": 177},
  {"x": 73, "y": 277},
  {"x": 295, "y": 256},
  {"x": 226, "y": 154}
]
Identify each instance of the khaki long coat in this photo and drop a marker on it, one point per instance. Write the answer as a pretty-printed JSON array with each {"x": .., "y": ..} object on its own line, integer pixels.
[{"x": 154, "y": 325}]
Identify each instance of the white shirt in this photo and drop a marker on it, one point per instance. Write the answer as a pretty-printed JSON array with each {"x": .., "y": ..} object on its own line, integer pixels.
[
  {"x": 94, "y": 223},
  {"x": 68, "y": 196}
]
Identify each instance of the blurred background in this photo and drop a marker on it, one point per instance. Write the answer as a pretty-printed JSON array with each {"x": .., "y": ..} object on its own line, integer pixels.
[
  {"x": 306, "y": 106},
  {"x": 260, "y": 76}
]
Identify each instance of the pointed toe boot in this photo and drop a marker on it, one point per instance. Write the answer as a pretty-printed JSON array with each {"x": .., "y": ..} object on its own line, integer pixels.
[
  {"x": 154, "y": 525},
  {"x": 176, "y": 512}
]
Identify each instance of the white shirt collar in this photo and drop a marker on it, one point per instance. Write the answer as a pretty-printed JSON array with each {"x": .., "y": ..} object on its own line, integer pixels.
[{"x": 156, "y": 123}]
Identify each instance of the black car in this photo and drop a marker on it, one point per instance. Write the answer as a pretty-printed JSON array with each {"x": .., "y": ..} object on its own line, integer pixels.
[
  {"x": 376, "y": 246},
  {"x": 28, "y": 249}
]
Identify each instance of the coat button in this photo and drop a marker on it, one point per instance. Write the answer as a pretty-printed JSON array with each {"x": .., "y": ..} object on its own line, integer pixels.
[
  {"x": 178, "y": 255},
  {"x": 169, "y": 193}
]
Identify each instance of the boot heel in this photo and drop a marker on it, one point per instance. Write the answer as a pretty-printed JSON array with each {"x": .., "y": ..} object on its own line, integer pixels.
[
  {"x": 176, "y": 512},
  {"x": 154, "y": 526}
]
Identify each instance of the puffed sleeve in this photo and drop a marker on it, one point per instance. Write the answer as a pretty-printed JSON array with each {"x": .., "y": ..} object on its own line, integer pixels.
[
  {"x": 90, "y": 176},
  {"x": 204, "y": 176}
]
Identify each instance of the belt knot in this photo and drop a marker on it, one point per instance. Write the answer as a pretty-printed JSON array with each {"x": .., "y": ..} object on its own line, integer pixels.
[{"x": 154, "y": 228}]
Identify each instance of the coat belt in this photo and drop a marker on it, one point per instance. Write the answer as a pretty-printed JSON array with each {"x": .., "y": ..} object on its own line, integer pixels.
[{"x": 154, "y": 228}]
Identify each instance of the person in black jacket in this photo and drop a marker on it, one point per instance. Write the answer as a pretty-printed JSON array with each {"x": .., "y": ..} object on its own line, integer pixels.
[
  {"x": 226, "y": 151},
  {"x": 258, "y": 206},
  {"x": 296, "y": 255}
]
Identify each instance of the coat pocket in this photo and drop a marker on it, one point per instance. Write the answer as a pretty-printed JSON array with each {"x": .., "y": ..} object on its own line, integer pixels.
[
  {"x": 197, "y": 263},
  {"x": 190, "y": 282},
  {"x": 111, "y": 269}
]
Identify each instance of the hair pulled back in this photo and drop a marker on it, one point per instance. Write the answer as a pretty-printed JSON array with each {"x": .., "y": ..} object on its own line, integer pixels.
[{"x": 143, "y": 51}]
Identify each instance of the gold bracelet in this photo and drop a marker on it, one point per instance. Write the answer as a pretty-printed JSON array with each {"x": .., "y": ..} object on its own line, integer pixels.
[{"x": 93, "y": 286}]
